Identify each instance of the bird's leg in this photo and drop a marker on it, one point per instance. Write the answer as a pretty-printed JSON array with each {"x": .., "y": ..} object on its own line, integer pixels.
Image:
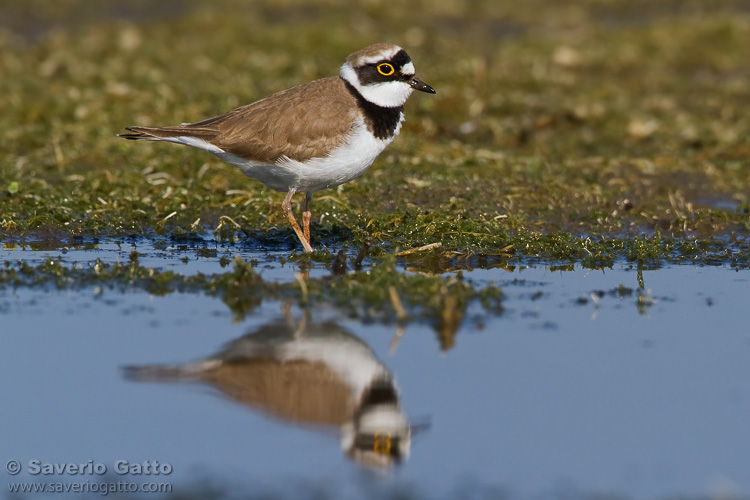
[
  {"x": 307, "y": 215},
  {"x": 286, "y": 205}
]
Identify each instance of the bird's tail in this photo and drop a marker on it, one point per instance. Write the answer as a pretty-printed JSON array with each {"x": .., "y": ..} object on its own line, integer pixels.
[
  {"x": 168, "y": 373},
  {"x": 165, "y": 133}
]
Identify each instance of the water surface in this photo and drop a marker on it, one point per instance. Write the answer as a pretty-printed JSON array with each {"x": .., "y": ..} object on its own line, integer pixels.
[{"x": 607, "y": 382}]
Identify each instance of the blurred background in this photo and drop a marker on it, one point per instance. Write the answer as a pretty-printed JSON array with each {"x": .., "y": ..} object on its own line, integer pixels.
[{"x": 584, "y": 78}]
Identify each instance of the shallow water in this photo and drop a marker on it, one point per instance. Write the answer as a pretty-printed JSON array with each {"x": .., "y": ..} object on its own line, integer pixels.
[{"x": 617, "y": 382}]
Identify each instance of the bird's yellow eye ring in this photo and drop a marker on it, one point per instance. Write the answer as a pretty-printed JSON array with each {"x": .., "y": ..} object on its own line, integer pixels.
[{"x": 385, "y": 69}]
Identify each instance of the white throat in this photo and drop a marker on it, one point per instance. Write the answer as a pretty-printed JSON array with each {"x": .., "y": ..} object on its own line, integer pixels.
[{"x": 386, "y": 94}]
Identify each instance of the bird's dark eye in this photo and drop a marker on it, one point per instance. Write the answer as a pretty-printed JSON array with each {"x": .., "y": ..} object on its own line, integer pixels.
[{"x": 385, "y": 69}]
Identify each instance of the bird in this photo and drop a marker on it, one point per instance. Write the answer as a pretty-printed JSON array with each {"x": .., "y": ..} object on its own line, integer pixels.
[
  {"x": 314, "y": 374},
  {"x": 313, "y": 136}
]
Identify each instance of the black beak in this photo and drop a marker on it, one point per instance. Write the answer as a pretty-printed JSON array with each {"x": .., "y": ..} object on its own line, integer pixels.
[{"x": 418, "y": 84}]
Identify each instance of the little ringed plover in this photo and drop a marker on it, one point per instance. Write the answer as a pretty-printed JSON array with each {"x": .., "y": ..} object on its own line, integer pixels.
[{"x": 313, "y": 136}]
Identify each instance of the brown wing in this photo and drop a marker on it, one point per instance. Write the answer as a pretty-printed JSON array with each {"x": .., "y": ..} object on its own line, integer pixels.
[
  {"x": 297, "y": 390},
  {"x": 301, "y": 391},
  {"x": 303, "y": 122}
]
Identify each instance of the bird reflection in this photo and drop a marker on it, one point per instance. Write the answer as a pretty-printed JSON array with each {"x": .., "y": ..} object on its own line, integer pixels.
[{"x": 307, "y": 373}]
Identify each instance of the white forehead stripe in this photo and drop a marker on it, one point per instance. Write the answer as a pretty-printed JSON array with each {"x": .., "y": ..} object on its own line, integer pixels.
[
  {"x": 386, "y": 54},
  {"x": 408, "y": 69}
]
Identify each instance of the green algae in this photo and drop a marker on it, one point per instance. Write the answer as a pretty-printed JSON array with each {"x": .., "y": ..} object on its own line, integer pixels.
[{"x": 376, "y": 294}]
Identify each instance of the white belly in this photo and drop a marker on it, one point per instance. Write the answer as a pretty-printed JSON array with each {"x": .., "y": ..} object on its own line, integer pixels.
[{"x": 346, "y": 162}]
